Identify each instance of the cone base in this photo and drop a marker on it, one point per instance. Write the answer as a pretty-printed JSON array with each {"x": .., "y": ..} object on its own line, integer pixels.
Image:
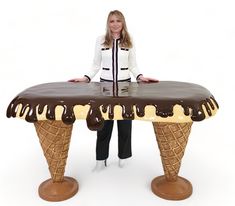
[
  {"x": 58, "y": 191},
  {"x": 177, "y": 190}
]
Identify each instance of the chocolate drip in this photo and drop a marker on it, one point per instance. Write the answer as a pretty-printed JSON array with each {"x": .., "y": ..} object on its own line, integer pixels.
[
  {"x": 198, "y": 114},
  {"x": 207, "y": 107},
  {"x": 186, "y": 110},
  {"x": 11, "y": 110},
  {"x": 94, "y": 119},
  {"x": 40, "y": 109},
  {"x": 128, "y": 112},
  {"x": 23, "y": 109},
  {"x": 140, "y": 110},
  {"x": 104, "y": 108},
  {"x": 164, "y": 110},
  {"x": 68, "y": 116},
  {"x": 215, "y": 101},
  {"x": 111, "y": 111},
  {"x": 51, "y": 112},
  {"x": 31, "y": 114},
  {"x": 163, "y": 96},
  {"x": 211, "y": 104}
]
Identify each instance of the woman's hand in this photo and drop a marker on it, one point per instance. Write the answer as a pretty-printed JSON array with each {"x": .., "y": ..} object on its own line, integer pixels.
[
  {"x": 82, "y": 79},
  {"x": 146, "y": 79}
]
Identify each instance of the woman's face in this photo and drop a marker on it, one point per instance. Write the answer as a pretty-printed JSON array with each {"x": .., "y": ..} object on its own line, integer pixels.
[{"x": 115, "y": 24}]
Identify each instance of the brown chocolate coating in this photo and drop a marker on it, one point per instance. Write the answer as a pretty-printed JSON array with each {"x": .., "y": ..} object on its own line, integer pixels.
[{"x": 163, "y": 95}]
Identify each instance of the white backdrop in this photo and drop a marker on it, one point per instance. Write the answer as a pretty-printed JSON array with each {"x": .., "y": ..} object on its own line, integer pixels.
[{"x": 53, "y": 40}]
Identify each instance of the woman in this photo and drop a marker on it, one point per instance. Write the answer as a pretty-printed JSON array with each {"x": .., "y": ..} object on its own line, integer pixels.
[{"x": 115, "y": 54}]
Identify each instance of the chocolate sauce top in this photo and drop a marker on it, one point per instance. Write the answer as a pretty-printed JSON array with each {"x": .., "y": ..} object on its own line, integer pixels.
[{"x": 163, "y": 95}]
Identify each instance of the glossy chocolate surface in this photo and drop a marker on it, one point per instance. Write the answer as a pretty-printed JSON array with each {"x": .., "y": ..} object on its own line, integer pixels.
[{"x": 163, "y": 95}]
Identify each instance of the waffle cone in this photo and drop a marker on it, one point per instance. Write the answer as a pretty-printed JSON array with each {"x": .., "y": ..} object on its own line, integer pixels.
[
  {"x": 172, "y": 139},
  {"x": 54, "y": 137}
]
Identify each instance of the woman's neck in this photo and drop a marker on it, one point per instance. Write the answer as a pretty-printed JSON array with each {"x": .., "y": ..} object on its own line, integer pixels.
[{"x": 116, "y": 35}]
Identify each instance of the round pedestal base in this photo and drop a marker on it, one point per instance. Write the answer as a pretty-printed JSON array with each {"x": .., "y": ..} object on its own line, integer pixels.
[
  {"x": 58, "y": 191},
  {"x": 178, "y": 190}
]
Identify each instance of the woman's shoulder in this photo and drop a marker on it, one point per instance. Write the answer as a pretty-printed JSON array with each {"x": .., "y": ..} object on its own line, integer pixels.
[{"x": 99, "y": 40}]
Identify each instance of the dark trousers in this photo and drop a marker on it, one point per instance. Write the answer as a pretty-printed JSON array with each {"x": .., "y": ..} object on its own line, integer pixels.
[{"x": 124, "y": 139}]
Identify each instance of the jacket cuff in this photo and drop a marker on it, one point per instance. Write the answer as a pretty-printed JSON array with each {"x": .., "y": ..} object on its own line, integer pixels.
[
  {"x": 137, "y": 78},
  {"x": 89, "y": 79}
]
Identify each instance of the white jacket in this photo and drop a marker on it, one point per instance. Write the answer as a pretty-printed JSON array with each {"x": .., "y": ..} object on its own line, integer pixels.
[{"x": 116, "y": 62}]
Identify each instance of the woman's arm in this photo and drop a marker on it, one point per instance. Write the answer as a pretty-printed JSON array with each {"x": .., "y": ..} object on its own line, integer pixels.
[{"x": 96, "y": 60}]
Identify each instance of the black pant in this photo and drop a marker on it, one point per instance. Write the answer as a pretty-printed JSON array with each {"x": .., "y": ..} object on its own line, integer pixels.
[{"x": 124, "y": 139}]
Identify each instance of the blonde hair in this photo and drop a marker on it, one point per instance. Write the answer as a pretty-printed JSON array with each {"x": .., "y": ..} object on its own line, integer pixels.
[{"x": 125, "y": 40}]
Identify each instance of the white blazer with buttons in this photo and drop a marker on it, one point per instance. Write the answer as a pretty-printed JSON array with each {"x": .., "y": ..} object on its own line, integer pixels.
[{"x": 116, "y": 62}]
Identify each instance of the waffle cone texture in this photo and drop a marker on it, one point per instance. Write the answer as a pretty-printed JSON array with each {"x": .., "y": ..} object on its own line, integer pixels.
[
  {"x": 54, "y": 137},
  {"x": 172, "y": 139}
]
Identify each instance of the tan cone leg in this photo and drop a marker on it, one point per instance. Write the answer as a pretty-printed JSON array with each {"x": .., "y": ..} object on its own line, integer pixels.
[
  {"x": 54, "y": 137},
  {"x": 172, "y": 139}
]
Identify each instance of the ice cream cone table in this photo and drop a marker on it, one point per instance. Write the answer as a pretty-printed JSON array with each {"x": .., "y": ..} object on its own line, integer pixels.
[{"x": 171, "y": 106}]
